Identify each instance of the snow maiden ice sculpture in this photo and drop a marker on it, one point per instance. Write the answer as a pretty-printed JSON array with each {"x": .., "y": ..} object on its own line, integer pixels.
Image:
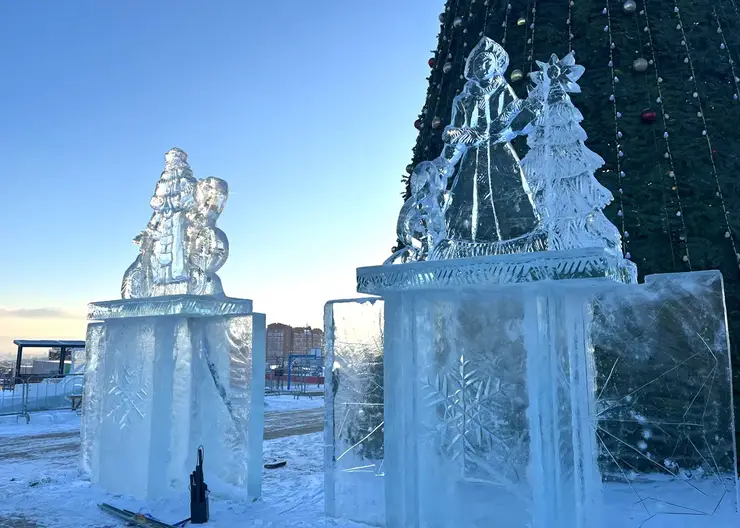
[
  {"x": 175, "y": 364},
  {"x": 535, "y": 383}
]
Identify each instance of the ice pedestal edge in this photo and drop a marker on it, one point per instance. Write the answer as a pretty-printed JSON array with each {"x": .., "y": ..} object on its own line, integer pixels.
[
  {"x": 165, "y": 375},
  {"x": 491, "y": 410}
]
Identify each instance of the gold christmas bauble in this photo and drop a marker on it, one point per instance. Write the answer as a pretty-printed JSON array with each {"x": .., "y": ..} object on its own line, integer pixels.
[
  {"x": 521, "y": 21},
  {"x": 516, "y": 75}
]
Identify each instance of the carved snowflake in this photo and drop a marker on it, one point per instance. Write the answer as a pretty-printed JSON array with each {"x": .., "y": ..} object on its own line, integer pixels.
[
  {"x": 473, "y": 427},
  {"x": 128, "y": 390}
]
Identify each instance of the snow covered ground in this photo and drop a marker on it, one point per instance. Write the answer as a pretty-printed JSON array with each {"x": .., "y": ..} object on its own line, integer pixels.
[
  {"x": 43, "y": 489},
  {"x": 40, "y": 485},
  {"x": 288, "y": 402}
]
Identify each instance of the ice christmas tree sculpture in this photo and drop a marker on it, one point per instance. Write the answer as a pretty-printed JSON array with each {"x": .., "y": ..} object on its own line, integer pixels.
[
  {"x": 181, "y": 249},
  {"x": 559, "y": 169}
]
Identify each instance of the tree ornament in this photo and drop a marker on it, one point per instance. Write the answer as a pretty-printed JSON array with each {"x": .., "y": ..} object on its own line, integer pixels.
[
  {"x": 517, "y": 75},
  {"x": 447, "y": 68},
  {"x": 630, "y": 6},
  {"x": 648, "y": 116},
  {"x": 640, "y": 65},
  {"x": 431, "y": 62},
  {"x": 442, "y": 17},
  {"x": 521, "y": 22},
  {"x": 417, "y": 124},
  {"x": 436, "y": 122},
  {"x": 409, "y": 168},
  {"x": 457, "y": 22}
]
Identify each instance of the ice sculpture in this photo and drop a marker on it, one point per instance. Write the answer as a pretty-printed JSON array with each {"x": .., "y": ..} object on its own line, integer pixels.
[
  {"x": 175, "y": 364},
  {"x": 421, "y": 223},
  {"x": 181, "y": 249},
  {"x": 354, "y": 486},
  {"x": 547, "y": 389},
  {"x": 559, "y": 169}
]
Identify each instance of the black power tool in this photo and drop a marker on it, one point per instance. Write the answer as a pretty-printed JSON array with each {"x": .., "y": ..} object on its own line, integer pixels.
[{"x": 198, "y": 493}]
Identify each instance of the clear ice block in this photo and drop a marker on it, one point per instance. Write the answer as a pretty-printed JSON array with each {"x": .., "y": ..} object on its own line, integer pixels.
[
  {"x": 665, "y": 422},
  {"x": 159, "y": 385},
  {"x": 494, "y": 413},
  {"x": 354, "y": 430}
]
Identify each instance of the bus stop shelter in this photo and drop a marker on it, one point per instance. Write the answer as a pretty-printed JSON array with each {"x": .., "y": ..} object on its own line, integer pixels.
[{"x": 64, "y": 346}]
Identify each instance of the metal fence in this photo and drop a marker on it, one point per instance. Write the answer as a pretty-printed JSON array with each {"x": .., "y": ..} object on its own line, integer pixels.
[{"x": 23, "y": 395}]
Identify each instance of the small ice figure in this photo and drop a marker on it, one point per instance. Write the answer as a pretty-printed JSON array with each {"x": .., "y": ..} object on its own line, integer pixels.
[
  {"x": 421, "y": 222},
  {"x": 181, "y": 248}
]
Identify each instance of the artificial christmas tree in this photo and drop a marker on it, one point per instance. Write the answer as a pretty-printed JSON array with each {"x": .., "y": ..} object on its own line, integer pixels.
[{"x": 660, "y": 102}]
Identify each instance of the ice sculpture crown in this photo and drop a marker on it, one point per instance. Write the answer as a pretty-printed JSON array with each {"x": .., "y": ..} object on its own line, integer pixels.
[{"x": 180, "y": 249}]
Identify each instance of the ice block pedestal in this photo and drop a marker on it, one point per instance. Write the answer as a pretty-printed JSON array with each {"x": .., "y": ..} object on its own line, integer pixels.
[
  {"x": 353, "y": 341},
  {"x": 164, "y": 376},
  {"x": 492, "y": 410}
]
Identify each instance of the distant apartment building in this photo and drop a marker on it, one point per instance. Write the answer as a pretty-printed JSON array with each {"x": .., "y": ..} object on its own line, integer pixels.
[
  {"x": 279, "y": 343},
  {"x": 317, "y": 338},
  {"x": 302, "y": 340},
  {"x": 284, "y": 340}
]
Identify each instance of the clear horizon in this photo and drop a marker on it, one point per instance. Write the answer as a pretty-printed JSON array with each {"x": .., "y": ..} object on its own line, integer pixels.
[{"x": 306, "y": 112}]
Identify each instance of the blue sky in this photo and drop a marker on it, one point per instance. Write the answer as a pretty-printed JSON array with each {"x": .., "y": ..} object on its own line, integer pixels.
[{"x": 305, "y": 108}]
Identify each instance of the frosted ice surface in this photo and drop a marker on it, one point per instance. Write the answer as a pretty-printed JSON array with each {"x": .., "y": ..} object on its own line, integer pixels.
[
  {"x": 158, "y": 387},
  {"x": 180, "y": 249},
  {"x": 354, "y": 431},
  {"x": 664, "y": 386}
]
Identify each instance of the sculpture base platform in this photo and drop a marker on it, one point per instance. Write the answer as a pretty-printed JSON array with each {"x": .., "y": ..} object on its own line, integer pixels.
[
  {"x": 164, "y": 376},
  {"x": 531, "y": 391}
]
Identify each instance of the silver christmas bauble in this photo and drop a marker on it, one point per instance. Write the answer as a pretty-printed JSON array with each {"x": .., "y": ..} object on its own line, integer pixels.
[
  {"x": 640, "y": 65},
  {"x": 447, "y": 68},
  {"x": 436, "y": 122},
  {"x": 630, "y": 6},
  {"x": 516, "y": 75},
  {"x": 457, "y": 22}
]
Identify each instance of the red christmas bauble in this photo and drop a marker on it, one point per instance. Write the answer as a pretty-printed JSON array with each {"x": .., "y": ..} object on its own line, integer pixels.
[
  {"x": 417, "y": 124},
  {"x": 648, "y": 116},
  {"x": 432, "y": 62}
]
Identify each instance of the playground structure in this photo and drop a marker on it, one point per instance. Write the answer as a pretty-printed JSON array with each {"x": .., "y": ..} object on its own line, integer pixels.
[{"x": 302, "y": 372}]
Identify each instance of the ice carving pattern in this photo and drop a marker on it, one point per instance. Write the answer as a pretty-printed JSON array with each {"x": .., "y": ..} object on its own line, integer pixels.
[
  {"x": 128, "y": 389},
  {"x": 354, "y": 429},
  {"x": 665, "y": 410},
  {"x": 501, "y": 269},
  {"x": 470, "y": 407},
  {"x": 559, "y": 169},
  {"x": 181, "y": 249}
]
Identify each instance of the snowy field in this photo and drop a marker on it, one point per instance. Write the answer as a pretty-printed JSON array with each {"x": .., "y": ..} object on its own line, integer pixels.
[
  {"x": 39, "y": 488},
  {"x": 40, "y": 485}
]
